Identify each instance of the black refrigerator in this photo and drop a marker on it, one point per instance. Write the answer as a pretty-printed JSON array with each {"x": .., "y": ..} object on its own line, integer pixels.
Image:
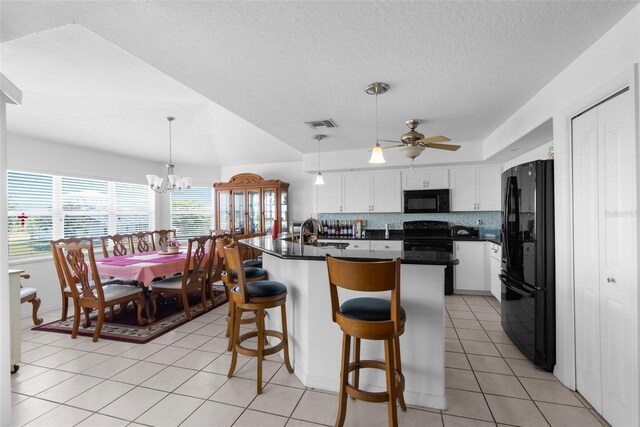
[{"x": 528, "y": 261}]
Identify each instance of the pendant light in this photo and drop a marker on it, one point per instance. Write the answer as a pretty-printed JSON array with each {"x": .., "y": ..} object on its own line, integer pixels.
[
  {"x": 319, "y": 178},
  {"x": 172, "y": 182},
  {"x": 377, "y": 88}
]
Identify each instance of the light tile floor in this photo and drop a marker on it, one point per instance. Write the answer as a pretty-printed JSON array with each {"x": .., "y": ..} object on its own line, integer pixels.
[{"x": 180, "y": 379}]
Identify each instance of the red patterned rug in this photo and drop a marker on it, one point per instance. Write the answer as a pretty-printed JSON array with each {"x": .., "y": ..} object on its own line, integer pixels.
[{"x": 125, "y": 326}]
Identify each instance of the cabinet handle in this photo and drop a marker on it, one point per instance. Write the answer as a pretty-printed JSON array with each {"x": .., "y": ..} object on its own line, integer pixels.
[
  {"x": 611, "y": 280},
  {"x": 386, "y": 246}
]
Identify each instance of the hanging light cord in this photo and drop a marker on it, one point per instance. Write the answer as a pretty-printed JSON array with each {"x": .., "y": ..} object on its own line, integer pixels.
[
  {"x": 318, "y": 155},
  {"x": 377, "y": 89},
  {"x": 170, "y": 162}
]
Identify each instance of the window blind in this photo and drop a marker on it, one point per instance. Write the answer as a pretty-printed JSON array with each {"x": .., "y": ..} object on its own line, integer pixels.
[
  {"x": 192, "y": 212},
  {"x": 45, "y": 207},
  {"x": 30, "y": 214}
]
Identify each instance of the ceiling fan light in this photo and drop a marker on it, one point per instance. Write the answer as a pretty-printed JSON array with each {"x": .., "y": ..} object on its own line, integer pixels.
[
  {"x": 319, "y": 179},
  {"x": 412, "y": 151},
  {"x": 376, "y": 155}
]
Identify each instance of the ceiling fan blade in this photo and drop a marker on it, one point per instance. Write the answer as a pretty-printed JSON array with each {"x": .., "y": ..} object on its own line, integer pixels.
[
  {"x": 389, "y": 140},
  {"x": 442, "y": 146},
  {"x": 391, "y": 146},
  {"x": 436, "y": 138}
]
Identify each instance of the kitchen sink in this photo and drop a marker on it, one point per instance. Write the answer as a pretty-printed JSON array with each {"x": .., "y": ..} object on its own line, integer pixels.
[{"x": 336, "y": 245}]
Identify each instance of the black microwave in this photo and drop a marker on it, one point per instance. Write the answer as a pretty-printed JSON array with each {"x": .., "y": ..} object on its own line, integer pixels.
[{"x": 426, "y": 201}]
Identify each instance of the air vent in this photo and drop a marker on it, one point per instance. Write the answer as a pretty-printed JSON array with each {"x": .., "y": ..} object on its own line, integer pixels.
[{"x": 316, "y": 124}]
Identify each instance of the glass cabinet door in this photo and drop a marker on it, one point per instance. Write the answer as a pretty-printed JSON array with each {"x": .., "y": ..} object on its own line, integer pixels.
[
  {"x": 284, "y": 212},
  {"x": 253, "y": 200},
  {"x": 238, "y": 212},
  {"x": 269, "y": 205},
  {"x": 224, "y": 210}
]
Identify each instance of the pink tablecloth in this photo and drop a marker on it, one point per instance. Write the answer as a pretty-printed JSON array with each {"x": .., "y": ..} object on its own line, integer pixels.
[{"x": 142, "y": 267}]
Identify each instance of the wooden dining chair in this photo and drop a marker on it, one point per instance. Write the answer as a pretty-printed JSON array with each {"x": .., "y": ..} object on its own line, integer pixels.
[
  {"x": 65, "y": 289},
  {"x": 144, "y": 242},
  {"x": 30, "y": 295},
  {"x": 161, "y": 236},
  {"x": 122, "y": 244},
  {"x": 79, "y": 273},
  {"x": 196, "y": 274}
]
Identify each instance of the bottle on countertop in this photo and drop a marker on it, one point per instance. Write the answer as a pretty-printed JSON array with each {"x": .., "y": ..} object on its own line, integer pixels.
[{"x": 386, "y": 231}]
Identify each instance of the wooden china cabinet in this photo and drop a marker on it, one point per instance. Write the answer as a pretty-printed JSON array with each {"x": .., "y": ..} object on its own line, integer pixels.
[{"x": 248, "y": 205}]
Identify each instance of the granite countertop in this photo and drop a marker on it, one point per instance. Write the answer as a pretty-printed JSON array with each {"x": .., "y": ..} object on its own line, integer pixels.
[
  {"x": 285, "y": 249},
  {"x": 372, "y": 235}
]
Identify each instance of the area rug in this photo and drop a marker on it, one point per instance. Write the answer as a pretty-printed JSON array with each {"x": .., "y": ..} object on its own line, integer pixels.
[{"x": 125, "y": 326}]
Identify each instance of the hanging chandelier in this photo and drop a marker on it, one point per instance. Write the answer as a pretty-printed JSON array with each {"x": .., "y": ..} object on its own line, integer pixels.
[
  {"x": 377, "y": 88},
  {"x": 172, "y": 182}
]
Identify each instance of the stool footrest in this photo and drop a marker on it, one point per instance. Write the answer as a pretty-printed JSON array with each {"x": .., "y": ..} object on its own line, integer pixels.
[
  {"x": 267, "y": 351},
  {"x": 372, "y": 396}
]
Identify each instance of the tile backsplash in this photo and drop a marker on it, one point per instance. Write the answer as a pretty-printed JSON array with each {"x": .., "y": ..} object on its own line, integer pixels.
[{"x": 489, "y": 219}]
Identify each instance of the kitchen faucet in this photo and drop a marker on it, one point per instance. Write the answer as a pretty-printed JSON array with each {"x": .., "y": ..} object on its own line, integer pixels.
[{"x": 318, "y": 228}]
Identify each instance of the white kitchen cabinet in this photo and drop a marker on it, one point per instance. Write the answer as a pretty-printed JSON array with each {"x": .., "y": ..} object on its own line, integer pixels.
[
  {"x": 357, "y": 192},
  {"x": 330, "y": 194},
  {"x": 386, "y": 193},
  {"x": 353, "y": 243},
  {"x": 475, "y": 188},
  {"x": 386, "y": 245},
  {"x": 425, "y": 179},
  {"x": 463, "y": 193},
  {"x": 493, "y": 267},
  {"x": 469, "y": 274},
  {"x": 372, "y": 192}
]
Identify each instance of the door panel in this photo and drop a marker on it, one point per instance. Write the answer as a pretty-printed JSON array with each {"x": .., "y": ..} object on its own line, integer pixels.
[
  {"x": 488, "y": 188},
  {"x": 386, "y": 193},
  {"x": 330, "y": 194},
  {"x": 357, "y": 192},
  {"x": 586, "y": 257},
  {"x": 463, "y": 192},
  {"x": 618, "y": 257}
]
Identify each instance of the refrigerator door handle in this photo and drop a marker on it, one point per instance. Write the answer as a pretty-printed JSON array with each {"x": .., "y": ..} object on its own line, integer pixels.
[{"x": 518, "y": 290}]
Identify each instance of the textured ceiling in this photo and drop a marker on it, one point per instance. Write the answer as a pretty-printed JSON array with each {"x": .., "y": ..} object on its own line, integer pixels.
[{"x": 462, "y": 67}]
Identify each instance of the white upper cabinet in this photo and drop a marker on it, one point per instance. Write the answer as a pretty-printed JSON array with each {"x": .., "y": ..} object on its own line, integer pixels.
[
  {"x": 425, "y": 179},
  {"x": 463, "y": 189},
  {"x": 357, "y": 192},
  {"x": 475, "y": 188},
  {"x": 330, "y": 194},
  {"x": 360, "y": 192},
  {"x": 386, "y": 192},
  {"x": 488, "y": 188}
]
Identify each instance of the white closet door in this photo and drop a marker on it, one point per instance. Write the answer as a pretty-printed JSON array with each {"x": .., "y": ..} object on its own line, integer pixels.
[
  {"x": 586, "y": 257},
  {"x": 618, "y": 257}
]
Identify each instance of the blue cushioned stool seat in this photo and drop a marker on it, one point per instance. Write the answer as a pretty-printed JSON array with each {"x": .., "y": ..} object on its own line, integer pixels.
[
  {"x": 252, "y": 263},
  {"x": 369, "y": 309},
  {"x": 250, "y": 272},
  {"x": 263, "y": 288}
]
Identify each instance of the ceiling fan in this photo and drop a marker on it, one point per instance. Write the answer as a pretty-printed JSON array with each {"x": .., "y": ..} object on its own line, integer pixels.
[{"x": 413, "y": 143}]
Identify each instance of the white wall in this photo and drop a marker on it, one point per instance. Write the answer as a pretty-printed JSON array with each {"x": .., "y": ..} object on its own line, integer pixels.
[
  {"x": 538, "y": 153},
  {"x": 300, "y": 189},
  {"x": 578, "y": 86}
]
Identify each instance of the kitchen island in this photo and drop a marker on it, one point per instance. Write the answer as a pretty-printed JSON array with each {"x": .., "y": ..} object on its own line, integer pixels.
[{"x": 315, "y": 341}]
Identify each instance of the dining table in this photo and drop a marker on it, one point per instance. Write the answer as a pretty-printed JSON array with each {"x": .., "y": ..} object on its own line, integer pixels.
[{"x": 143, "y": 268}]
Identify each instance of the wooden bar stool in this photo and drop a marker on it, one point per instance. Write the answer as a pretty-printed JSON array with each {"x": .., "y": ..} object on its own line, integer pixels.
[
  {"x": 256, "y": 297},
  {"x": 372, "y": 319},
  {"x": 229, "y": 277}
]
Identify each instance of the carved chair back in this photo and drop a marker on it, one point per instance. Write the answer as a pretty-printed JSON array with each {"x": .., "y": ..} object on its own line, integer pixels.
[
  {"x": 122, "y": 244},
  {"x": 79, "y": 265},
  {"x": 200, "y": 251},
  {"x": 144, "y": 242},
  {"x": 233, "y": 262},
  {"x": 161, "y": 237},
  {"x": 57, "y": 261}
]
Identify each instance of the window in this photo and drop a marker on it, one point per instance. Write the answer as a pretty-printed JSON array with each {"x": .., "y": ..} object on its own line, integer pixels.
[
  {"x": 30, "y": 211},
  {"x": 192, "y": 212},
  {"x": 45, "y": 207}
]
